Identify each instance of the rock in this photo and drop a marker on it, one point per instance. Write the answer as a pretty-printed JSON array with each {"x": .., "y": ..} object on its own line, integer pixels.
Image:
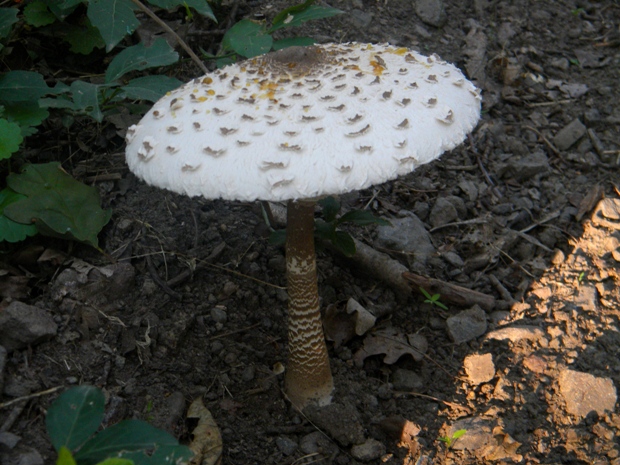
[
  {"x": 360, "y": 19},
  {"x": 3, "y": 354},
  {"x": 287, "y": 446},
  {"x": 586, "y": 298},
  {"x": 584, "y": 393},
  {"x": 22, "y": 325},
  {"x": 610, "y": 208},
  {"x": 407, "y": 235},
  {"x": 370, "y": 450},
  {"x": 516, "y": 333},
  {"x": 479, "y": 368},
  {"x": 317, "y": 443},
  {"x": 444, "y": 211},
  {"x": 340, "y": 421},
  {"x": 467, "y": 325},
  {"x": 479, "y": 433},
  {"x": 526, "y": 167},
  {"x": 569, "y": 134},
  {"x": 218, "y": 315},
  {"x": 407, "y": 380},
  {"x": 431, "y": 12}
]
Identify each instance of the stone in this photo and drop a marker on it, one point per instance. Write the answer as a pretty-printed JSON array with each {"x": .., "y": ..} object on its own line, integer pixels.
[
  {"x": 467, "y": 325},
  {"x": 526, "y": 167},
  {"x": 586, "y": 297},
  {"x": 407, "y": 235},
  {"x": 219, "y": 315},
  {"x": 584, "y": 393},
  {"x": 22, "y": 325},
  {"x": 407, "y": 380},
  {"x": 370, "y": 450},
  {"x": 610, "y": 208},
  {"x": 569, "y": 134},
  {"x": 317, "y": 443},
  {"x": 516, "y": 333},
  {"x": 479, "y": 433},
  {"x": 443, "y": 212},
  {"x": 3, "y": 354},
  {"x": 287, "y": 446},
  {"x": 431, "y": 12},
  {"x": 340, "y": 421},
  {"x": 479, "y": 368}
]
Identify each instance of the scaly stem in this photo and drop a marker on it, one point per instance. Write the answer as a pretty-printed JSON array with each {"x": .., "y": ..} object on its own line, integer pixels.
[{"x": 308, "y": 375}]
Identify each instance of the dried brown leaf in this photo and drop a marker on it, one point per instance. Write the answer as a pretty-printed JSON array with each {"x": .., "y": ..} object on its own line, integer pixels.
[{"x": 207, "y": 442}]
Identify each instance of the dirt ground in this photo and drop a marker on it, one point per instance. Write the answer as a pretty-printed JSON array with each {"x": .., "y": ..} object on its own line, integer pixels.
[{"x": 189, "y": 301}]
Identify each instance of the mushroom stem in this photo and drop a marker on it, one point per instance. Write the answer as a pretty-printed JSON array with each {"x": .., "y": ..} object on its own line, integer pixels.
[{"x": 308, "y": 376}]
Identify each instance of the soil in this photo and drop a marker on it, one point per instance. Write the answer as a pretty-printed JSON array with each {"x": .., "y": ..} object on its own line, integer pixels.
[{"x": 188, "y": 298}]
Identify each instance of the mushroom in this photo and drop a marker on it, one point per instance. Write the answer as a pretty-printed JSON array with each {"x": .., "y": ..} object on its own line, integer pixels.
[{"x": 296, "y": 125}]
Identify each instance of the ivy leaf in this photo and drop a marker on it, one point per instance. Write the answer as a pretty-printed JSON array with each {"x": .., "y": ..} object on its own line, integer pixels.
[
  {"x": 150, "y": 88},
  {"x": 8, "y": 17},
  {"x": 83, "y": 38},
  {"x": 362, "y": 218},
  {"x": 10, "y": 138},
  {"x": 37, "y": 14},
  {"x": 114, "y": 18},
  {"x": 299, "y": 14},
  {"x": 344, "y": 243},
  {"x": 139, "y": 57},
  {"x": 248, "y": 39},
  {"x": 11, "y": 231},
  {"x": 75, "y": 416},
  {"x": 57, "y": 204},
  {"x": 201, "y": 6},
  {"x": 62, "y": 8},
  {"x": 28, "y": 115},
  {"x": 22, "y": 86},
  {"x": 330, "y": 208},
  {"x": 293, "y": 42},
  {"x": 86, "y": 99}
]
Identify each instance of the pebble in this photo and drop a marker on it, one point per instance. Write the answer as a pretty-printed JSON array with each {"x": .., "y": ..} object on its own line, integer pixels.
[
  {"x": 408, "y": 235},
  {"x": 516, "y": 333},
  {"x": 3, "y": 354},
  {"x": 479, "y": 433},
  {"x": 443, "y": 212},
  {"x": 22, "y": 325},
  {"x": 467, "y": 325},
  {"x": 370, "y": 450},
  {"x": 219, "y": 315},
  {"x": 340, "y": 421},
  {"x": 287, "y": 446},
  {"x": 431, "y": 12},
  {"x": 587, "y": 298},
  {"x": 584, "y": 393},
  {"x": 528, "y": 166},
  {"x": 610, "y": 208},
  {"x": 248, "y": 373},
  {"x": 479, "y": 368},
  {"x": 569, "y": 134}
]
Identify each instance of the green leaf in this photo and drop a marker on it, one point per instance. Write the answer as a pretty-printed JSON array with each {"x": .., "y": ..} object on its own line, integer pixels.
[
  {"x": 362, "y": 218},
  {"x": 114, "y": 18},
  {"x": 170, "y": 454},
  {"x": 57, "y": 204},
  {"x": 150, "y": 88},
  {"x": 344, "y": 243},
  {"x": 299, "y": 14},
  {"x": 459, "y": 433},
  {"x": 23, "y": 86},
  {"x": 75, "y": 416},
  {"x": 330, "y": 208},
  {"x": 11, "y": 231},
  {"x": 293, "y": 42},
  {"x": 65, "y": 457},
  {"x": 325, "y": 231},
  {"x": 8, "y": 17},
  {"x": 86, "y": 99},
  {"x": 28, "y": 115},
  {"x": 37, "y": 14},
  {"x": 62, "y": 8},
  {"x": 278, "y": 237},
  {"x": 122, "y": 440},
  {"x": 10, "y": 138},
  {"x": 83, "y": 38},
  {"x": 201, "y": 6},
  {"x": 248, "y": 39},
  {"x": 116, "y": 462},
  {"x": 139, "y": 57}
]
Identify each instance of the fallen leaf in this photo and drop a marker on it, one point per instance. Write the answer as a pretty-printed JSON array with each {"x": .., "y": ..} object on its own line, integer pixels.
[
  {"x": 394, "y": 344},
  {"x": 207, "y": 442},
  {"x": 342, "y": 325}
]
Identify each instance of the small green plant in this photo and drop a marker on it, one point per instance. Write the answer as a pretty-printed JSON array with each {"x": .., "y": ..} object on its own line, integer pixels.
[
  {"x": 326, "y": 228},
  {"x": 581, "y": 277},
  {"x": 249, "y": 38},
  {"x": 72, "y": 422},
  {"x": 433, "y": 299},
  {"x": 450, "y": 440}
]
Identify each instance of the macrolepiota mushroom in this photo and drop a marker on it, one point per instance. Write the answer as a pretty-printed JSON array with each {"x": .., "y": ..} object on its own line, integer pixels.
[{"x": 296, "y": 125}]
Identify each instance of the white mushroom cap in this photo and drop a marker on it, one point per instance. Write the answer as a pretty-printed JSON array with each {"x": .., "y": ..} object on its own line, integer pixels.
[{"x": 304, "y": 122}]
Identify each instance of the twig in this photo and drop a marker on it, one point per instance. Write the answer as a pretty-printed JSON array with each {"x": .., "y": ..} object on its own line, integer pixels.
[
  {"x": 451, "y": 293},
  {"x": 236, "y": 331},
  {"x": 441, "y": 401},
  {"x": 548, "y": 104},
  {"x": 30, "y": 396},
  {"x": 543, "y": 138},
  {"x": 461, "y": 223},
  {"x": 169, "y": 30}
]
